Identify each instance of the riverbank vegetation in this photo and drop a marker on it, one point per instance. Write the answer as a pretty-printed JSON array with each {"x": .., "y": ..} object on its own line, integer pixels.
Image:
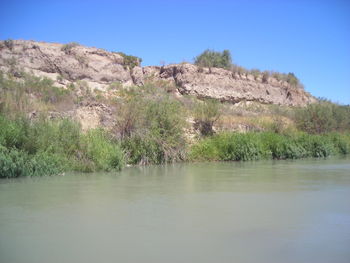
[
  {"x": 268, "y": 145},
  {"x": 46, "y": 147},
  {"x": 152, "y": 126}
]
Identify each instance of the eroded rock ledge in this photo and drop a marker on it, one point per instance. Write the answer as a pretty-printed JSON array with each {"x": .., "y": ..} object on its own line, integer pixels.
[{"x": 100, "y": 68}]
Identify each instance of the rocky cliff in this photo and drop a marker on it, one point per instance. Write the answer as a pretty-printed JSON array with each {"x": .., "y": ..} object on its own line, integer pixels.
[{"x": 66, "y": 64}]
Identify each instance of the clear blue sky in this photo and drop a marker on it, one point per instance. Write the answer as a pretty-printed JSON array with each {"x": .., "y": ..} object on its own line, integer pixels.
[{"x": 309, "y": 38}]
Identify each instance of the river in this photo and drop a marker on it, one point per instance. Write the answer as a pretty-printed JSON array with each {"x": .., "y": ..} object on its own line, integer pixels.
[{"x": 265, "y": 211}]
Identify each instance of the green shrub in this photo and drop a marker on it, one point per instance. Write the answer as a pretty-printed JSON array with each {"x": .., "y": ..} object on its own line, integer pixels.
[
  {"x": 48, "y": 164},
  {"x": 130, "y": 61},
  {"x": 321, "y": 147},
  {"x": 142, "y": 150},
  {"x": 254, "y": 146},
  {"x": 206, "y": 113},
  {"x": 158, "y": 138},
  {"x": 204, "y": 150},
  {"x": 54, "y": 136},
  {"x": 229, "y": 147},
  {"x": 165, "y": 122},
  {"x": 283, "y": 147},
  {"x": 13, "y": 98},
  {"x": 239, "y": 147},
  {"x": 151, "y": 125},
  {"x": 341, "y": 142},
  {"x": 51, "y": 146},
  {"x": 13, "y": 133},
  {"x": 315, "y": 118},
  {"x": 44, "y": 89},
  {"x": 15, "y": 163},
  {"x": 131, "y": 114},
  {"x": 292, "y": 79},
  {"x": 105, "y": 153},
  {"x": 323, "y": 117},
  {"x": 316, "y": 145},
  {"x": 214, "y": 59}
]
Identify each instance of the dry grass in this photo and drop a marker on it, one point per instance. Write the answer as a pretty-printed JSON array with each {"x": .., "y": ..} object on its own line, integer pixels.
[{"x": 263, "y": 122}]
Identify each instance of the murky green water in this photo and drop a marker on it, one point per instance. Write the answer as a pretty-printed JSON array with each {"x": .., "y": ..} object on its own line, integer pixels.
[{"x": 284, "y": 211}]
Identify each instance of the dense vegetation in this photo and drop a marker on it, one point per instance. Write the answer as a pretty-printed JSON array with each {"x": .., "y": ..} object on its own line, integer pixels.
[
  {"x": 46, "y": 147},
  {"x": 323, "y": 117},
  {"x": 268, "y": 145},
  {"x": 214, "y": 59},
  {"x": 150, "y": 128}
]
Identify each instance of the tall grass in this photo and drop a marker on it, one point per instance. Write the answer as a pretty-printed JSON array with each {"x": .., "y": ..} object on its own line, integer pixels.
[
  {"x": 46, "y": 147},
  {"x": 32, "y": 93},
  {"x": 15, "y": 163},
  {"x": 239, "y": 147},
  {"x": 268, "y": 145},
  {"x": 104, "y": 153}
]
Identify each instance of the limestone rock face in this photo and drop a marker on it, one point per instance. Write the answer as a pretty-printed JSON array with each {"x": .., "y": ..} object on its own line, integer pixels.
[
  {"x": 93, "y": 65},
  {"x": 67, "y": 64},
  {"x": 137, "y": 76},
  {"x": 224, "y": 85}
]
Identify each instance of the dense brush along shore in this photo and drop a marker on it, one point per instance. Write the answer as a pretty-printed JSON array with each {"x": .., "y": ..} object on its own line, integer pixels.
[{"x": 48, "y": 147}]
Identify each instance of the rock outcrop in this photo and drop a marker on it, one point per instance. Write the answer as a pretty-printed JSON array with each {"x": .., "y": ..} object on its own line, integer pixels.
[
  {"x": 69, "y": 63},
  {"x": 225, "y": 85}
]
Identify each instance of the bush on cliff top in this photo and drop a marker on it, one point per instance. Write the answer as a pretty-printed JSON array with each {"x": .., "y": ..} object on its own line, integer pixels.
[
  {"x": 211, "y": 58},
  {"x": 130, "y": 61}
]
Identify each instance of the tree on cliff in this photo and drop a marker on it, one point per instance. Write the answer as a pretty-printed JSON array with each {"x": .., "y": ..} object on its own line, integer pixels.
[{"x": 211, "y": 58}]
